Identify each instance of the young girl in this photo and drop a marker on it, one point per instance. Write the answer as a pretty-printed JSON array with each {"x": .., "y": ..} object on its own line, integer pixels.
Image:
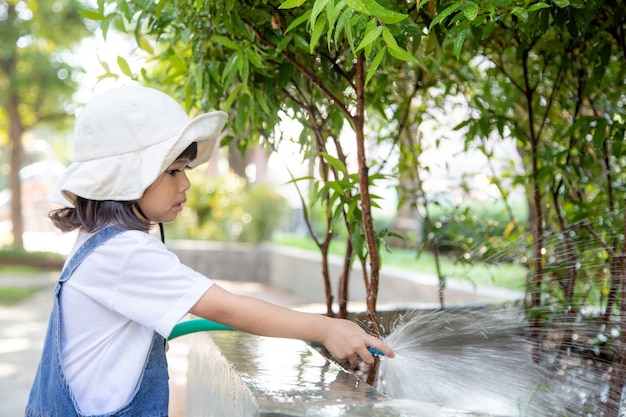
[{"x": 121, "y": 291}]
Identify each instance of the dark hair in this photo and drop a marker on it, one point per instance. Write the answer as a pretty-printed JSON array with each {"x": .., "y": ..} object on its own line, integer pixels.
[{"x": 93, "y": 215}]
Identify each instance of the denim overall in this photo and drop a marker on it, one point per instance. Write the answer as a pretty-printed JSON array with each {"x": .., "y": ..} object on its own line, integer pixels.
[{"x": 51, "y": 395}]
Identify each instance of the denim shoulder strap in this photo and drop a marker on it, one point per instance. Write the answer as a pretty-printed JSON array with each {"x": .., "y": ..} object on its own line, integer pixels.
[{"x": 86, "y": 248}]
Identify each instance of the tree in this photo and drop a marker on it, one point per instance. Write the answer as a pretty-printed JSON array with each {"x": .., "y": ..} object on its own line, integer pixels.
[
  {"x": 551, "y": 76},
  {"x": 36, "y": 84},
  {"x": 548, "y": 74},
  {"x": 321, "y": 63}
]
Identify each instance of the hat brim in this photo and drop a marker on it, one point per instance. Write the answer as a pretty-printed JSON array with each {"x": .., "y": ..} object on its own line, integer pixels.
[{"x": 78, "y": 179}]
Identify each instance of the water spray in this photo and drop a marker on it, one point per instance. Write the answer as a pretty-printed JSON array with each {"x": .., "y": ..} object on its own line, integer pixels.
[{"x": 475, "y": 360}]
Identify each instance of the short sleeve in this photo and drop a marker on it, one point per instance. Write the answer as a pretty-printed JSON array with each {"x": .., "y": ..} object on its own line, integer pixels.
[{"x": 144, "y": 281}]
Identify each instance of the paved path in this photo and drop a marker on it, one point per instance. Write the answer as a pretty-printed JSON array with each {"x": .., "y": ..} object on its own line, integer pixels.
[{"x": 22, "y": 329}]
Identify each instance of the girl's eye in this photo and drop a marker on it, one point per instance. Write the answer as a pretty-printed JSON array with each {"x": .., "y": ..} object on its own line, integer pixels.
[{"x": 173, "y": 172}]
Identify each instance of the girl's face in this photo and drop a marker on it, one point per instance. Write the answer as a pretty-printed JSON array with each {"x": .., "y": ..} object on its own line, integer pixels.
[{"x": 164, "y": 198}]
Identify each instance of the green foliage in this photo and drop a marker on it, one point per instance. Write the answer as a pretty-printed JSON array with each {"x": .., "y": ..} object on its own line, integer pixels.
[
  {"x": 36, "y": 36},
  {"x": 478, "y": 231},
  {"x": 36, "y": 79},
  {"x": 548, "y": 74},
  {"x": 226, "y": 209}
]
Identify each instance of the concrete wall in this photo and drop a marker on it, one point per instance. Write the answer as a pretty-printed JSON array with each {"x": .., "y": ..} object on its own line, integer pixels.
[
  {"x": 225, "y": 260},
  {"x": 300, "y": 273}
]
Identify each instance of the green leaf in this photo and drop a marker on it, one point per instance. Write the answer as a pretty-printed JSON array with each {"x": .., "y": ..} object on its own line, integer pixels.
[
  {"x": 224, "y": 41},
  {"x": 298, "y": 21},
  {"x": 371, "y": 8},
  {"x": 336, "y": 163},
  {"x": 537, "y": 6},
  {"x": 291, "y": 4},
  {"x": 230, "y": 68},
  {"x": 370, "y": 36},
  {"x": 395, "y": 50},
  {"x": 254, "y": 58},
  {"x": 283, "y": 43},
  {"x": 145, "y": 45},
  {"x": 159, "y": 8},
  {"x": 444, "y": 14},
  {"x": 243, "y": 66},
  {"x": 305, "y": 178},
  {"x": 348, "y": 30},
  {"x": 375, "y": 64},
  {"x": 333, "y": 12},
  {"x": 259, "y": 97},
  {"x": 124, "y": 67},
  {"x": 458, "y": 42},
  {"x": 301, "y": 43},
  {"x": 177, "y": 63},
  {"x": 107, "y": 75},
  {"x": 318, "y": 30},
  {"x": 91, "y": 14},
  {"x": 318, "y": 7},
  {"x": 104, "y": 65},
  {"x": 470, "y": 11},
  {"x": 343, "y": 22}
]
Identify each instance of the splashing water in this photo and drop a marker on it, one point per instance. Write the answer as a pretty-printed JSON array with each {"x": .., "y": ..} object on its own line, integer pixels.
[{"x": 473, "y": 360}]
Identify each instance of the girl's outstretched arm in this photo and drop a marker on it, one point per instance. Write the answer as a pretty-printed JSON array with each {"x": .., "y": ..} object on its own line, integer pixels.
[{"x": 345, "y": 340}]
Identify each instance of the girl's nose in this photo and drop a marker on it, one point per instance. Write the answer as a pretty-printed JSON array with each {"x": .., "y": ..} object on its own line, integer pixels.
[{"x": 185, "y": 183}]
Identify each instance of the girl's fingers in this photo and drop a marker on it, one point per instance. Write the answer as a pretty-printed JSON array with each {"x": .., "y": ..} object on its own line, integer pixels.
[{"x": 382, "y": 347}]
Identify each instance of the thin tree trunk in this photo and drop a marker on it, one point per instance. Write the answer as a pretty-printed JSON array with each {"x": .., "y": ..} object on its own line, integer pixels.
[
  {"x": 366, "y": 203},
  {"x": 16, "y": 132},
  {"x": 366, "y": 207},
  {"x": 345, "y": 280}
]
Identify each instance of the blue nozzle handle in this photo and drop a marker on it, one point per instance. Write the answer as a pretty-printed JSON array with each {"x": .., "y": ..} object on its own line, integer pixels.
[{"x": 375, "y": 351}]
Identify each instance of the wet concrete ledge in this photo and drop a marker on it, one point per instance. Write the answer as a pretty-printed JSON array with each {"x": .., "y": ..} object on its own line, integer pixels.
[{"x": 240, "y": 375}]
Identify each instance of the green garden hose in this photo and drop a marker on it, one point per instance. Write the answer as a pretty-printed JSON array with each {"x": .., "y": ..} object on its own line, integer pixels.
[
  {"x": 204, "y": 325},
  {"x": 196, "y": 325}
]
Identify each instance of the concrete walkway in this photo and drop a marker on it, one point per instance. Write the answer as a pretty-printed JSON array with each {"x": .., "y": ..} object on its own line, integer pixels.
[{"x": 22, "y": 329}]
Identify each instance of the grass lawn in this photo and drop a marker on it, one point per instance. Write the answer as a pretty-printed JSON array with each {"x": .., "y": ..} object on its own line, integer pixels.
[
  {"x": 510, "y": 276},
  {"x": 13, "y": 295},
  {"x": 10, "y": 295}
]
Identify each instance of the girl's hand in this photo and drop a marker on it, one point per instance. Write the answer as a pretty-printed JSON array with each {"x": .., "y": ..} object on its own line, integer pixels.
[{"x": 348, "y": 342}]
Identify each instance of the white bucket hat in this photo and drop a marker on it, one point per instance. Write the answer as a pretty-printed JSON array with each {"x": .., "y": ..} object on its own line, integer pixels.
[{"x": 125, "y": 138}]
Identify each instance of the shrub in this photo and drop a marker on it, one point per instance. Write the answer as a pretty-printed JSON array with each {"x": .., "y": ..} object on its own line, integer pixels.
[
  {"x": 225, "y": 208},
  {"x": 474, "y": 228}
]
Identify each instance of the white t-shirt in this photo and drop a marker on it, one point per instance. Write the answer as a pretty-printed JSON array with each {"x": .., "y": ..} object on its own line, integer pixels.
[{"x": 126, "y": 289}]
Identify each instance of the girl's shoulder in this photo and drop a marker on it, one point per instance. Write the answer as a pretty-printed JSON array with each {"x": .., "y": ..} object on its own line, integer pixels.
[
  {"x": 137, "y": 241},
  {"x": 126, "y": 242},
  {"x": 133, "y": 250},
  {"x": 129, "y": 236}
]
